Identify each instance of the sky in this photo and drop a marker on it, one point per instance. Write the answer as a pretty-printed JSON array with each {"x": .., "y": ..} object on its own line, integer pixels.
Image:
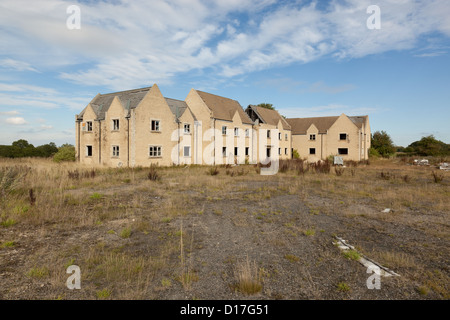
[{"x": 385, "y": 59}]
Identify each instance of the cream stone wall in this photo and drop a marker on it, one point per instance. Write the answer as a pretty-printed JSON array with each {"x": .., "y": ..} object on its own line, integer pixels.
[
  {"x": 357, "y": 141},
  {"x": 212, "y": 140},
  {"x": 274, "y": 141},
  {"x": 89, "y": 138},
  {"x": 111, "y": 137},
  {"x": 152, "y": 107}
]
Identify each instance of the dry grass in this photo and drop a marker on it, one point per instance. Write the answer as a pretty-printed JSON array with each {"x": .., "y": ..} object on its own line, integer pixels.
[
  {"x": 122, "y": 227},
  {"x": 248, "y": 277}
]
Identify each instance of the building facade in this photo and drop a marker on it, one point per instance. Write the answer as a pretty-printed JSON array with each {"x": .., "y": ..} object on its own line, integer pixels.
[
  {"x": 321, "y": 137},
  {"x": 141, "y": 127}
]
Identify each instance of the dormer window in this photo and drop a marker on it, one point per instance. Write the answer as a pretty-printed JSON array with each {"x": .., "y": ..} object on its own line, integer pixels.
[{"x": 312, "y": 137}]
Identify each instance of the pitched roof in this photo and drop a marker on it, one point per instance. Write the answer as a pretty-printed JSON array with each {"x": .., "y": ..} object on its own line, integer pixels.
[
  {"x": 301, "y": 125},
  {"x": 178, "y": 107},
  {"x": 129, "y": 99},
  {"x": 269, "y": 116},
  {"x": 358, "y": 120},
  {"x": 223, "y": 108}
]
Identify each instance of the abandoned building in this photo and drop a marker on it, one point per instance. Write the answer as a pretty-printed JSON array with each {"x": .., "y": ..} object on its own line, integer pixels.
[{"x": 142, "y": 127}]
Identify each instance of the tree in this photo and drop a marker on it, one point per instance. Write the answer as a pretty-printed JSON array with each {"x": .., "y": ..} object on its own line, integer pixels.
[
  {"x": 429, "y": 146},
  {"x": 65, "y": 153},
  {"x": 47, "y": 150},
  {"x": 382, "y": 143},
  {"x": 21, "y": 148},
  {"x": 266, "y": 105}
]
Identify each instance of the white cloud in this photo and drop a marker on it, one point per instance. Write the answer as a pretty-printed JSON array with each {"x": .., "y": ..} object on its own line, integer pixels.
[
  {"x": 10, "y": 113},
  {"x": 16, "y": 121},
  {"x": 133, "y": 43},
  {"x": 16, "y": 65},
  {"x": 24, "y": 95}
]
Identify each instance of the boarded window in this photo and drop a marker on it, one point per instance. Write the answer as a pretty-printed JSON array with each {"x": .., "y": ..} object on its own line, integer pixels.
[{"x": 187, "y": 151}]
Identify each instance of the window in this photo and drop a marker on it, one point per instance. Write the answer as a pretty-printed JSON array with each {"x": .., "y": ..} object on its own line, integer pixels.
[
  {"x": 343, "y": 151},
  {"x": 187, "y": 128},
  {"x": 268, "y": 133},
  {"x": 154, "y": 151},
  {"x": 268, "y": 152},
  {"x": 279, "y": 151},
  {"x": 312, "y": 150},
  {"x": 279, "y": 135},
  {"x": 88, "y": 151},
  {"x": 187, "y": 151},
  {"x": 342, "y": 136},
  {"x": 312, "y": 137},
  {"x": 285, "y": 151},
  {"x": 115, "y": 151},
  {"x": 236, "y": 151},
  {"x": 155, "y": 125},
  {"x": 286, "y": 136},
  {"x": 236, "y": 132},
  {"x": 89, "y": 125},
  {"x": 224, "y": 151},
  {"x": 224, "y": 130},
  {"x": 115, "y": 124},
  {"x": 247, "y": 151},
  {"x": 247, "y": 132}
]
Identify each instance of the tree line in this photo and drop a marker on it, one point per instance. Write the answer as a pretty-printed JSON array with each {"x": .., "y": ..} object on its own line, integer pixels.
[
  {"x": 22, "y": 148},
  {"x": 383, "y": 146}
]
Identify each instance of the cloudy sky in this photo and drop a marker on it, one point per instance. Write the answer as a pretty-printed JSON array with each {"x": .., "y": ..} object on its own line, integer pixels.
[{"x": 307, "y": 58}]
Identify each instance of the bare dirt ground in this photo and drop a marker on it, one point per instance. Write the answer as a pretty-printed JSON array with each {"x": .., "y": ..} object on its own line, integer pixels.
[{"x": 191, "y": 235}]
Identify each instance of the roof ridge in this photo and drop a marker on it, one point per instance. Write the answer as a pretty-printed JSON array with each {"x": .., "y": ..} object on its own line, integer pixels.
[{"x": 126, "y": 91}]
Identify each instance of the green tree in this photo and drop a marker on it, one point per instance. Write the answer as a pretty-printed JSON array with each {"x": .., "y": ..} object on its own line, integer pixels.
[
  {"x": 65, "y": 153},
  {"x": 429, "y": 146},
  {"x": 266, "y": 105},
  {"x": 382, "y": 143},
  {"x": 21, "y": 148},
  {"x": 47, "y": 150}
]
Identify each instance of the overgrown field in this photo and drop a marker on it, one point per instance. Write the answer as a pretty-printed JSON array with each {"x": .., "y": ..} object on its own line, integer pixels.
[{"x": 222, "y": 233}]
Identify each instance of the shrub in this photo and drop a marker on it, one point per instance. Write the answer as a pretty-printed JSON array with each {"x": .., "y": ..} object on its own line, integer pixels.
[
  {"x": 65, "y": 153},
  {"x": 153, "y": 174},
  {"x": 213, "y": 171},
  {"x": 339, "y": 171},
  {"x": 322, "y": 166},
  {"x": 437, "y": 177}
]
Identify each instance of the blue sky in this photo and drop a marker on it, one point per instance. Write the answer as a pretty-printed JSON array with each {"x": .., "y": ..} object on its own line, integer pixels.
[{"x": 307, "y": 58}]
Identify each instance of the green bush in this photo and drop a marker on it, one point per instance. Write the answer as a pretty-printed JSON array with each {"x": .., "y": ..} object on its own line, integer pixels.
[{"x": 65, "y": 153}]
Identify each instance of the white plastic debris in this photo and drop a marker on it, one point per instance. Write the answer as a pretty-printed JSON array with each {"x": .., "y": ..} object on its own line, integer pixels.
[{"x": 368, "y": 263}]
